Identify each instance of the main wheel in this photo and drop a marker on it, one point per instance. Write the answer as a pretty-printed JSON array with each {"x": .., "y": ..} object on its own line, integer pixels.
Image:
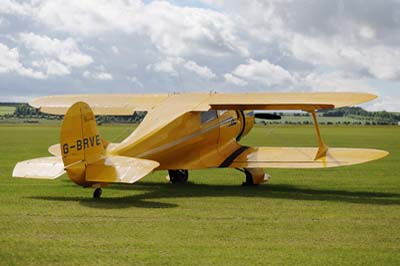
[
  {"x": 97, "y": 193},
  {"x": 249, "y": 179},
  {"x": 178, "y": 176}
]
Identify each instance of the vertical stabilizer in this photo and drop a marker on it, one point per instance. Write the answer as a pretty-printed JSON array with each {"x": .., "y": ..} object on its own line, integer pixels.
[{"x": 80, "y": 141}]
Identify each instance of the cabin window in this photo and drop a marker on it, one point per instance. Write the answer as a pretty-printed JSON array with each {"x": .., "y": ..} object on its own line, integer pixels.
[{"x": 208, "y": 116}]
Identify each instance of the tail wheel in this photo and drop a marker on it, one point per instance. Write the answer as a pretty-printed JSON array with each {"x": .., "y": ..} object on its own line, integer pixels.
[
  {"x": 97, "y": 193},
  {"x": 178, "y": 176}
]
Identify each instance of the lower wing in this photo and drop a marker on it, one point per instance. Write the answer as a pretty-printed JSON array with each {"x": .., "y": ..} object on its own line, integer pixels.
[{"x": 293, "y": 157}]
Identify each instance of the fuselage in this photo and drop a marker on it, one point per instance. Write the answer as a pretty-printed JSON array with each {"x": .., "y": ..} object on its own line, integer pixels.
[{"x": 194, "y": 140}]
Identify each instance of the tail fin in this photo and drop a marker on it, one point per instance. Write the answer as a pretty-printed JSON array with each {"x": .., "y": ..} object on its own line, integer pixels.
[{"x": 80, "y": 140}]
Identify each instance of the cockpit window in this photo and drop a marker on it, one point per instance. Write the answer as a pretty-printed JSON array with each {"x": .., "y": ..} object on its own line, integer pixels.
[{"x": 208, "y": 116}]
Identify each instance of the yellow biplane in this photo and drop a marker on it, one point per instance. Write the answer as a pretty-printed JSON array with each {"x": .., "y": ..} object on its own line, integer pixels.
[{"x": 182, "y": 132}]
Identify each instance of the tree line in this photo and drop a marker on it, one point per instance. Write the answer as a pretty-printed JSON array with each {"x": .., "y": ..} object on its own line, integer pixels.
[{"x": 360, "y": 112}]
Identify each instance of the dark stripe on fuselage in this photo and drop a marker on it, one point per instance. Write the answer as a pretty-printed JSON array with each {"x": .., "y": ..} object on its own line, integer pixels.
[
  {"x": 242, "y": 120},
  {"x": 228, "y": 161}
]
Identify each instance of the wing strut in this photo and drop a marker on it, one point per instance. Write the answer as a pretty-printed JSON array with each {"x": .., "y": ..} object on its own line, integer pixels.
[{"x": 322, "y": 147}]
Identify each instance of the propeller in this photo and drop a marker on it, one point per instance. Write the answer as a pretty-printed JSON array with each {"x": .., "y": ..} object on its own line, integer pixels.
[{"x": 267, "y": 116}]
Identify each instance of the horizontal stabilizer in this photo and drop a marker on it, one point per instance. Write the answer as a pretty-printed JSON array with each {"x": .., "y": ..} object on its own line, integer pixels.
[
  {"x": 40, "y": 168},
  {"x": 55, "y": 150},
  {"x": 293, "y": 157},
  {"x": 119, "y": 169}
]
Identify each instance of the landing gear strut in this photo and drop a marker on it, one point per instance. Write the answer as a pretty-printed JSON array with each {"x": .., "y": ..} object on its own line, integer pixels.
[
  {"x": 254, "y": 176},
  {"x": 249, "y": 179},
  {"x": 178, "y": 176},
  {"x": 97, "y": 193}
]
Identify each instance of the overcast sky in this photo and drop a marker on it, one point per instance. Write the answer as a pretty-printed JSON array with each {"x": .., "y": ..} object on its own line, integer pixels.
[{"x": 133, "y": 46}]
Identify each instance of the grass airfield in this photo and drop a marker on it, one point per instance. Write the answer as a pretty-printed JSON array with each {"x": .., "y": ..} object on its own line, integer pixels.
[{"x": 337, "y": 216}]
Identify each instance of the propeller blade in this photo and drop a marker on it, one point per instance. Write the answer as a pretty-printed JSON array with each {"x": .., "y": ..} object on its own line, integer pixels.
[{"x": 267, "y": 116}]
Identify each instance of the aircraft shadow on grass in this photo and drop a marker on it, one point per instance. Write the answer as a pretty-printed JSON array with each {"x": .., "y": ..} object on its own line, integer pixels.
[{"x": 150, "y": 192}]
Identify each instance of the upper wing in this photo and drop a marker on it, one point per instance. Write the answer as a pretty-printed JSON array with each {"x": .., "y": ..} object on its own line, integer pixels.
[
  {"x": 288, "y": 100},
  {"x": 101, "y": 104},
  {"x": 126, "y": 104}
]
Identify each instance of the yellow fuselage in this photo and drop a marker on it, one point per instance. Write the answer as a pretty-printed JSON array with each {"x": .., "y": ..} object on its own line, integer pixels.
[{"x": 195, "y": 140}]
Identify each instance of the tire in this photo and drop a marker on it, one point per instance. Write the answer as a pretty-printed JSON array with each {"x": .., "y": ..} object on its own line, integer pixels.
[
  {"x": 97, "y": 193},
  {"x": 178, "y": 176}
]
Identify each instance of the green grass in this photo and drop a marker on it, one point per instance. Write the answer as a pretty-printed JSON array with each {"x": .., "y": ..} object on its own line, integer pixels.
[
  {"x": 340, "y": 216},
  {"x": 5, "y": 110}
]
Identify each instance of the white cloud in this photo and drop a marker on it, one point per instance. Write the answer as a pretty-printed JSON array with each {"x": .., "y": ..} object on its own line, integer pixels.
[
  {"x": 97, "y": 75},
  {"x": 175, "y": 65},
  {"x": 13, "y": 7},
  {"x": 386, "y": 103},
  {"x": 30, "y": 73},
  {"x": 168, "y": 65},
  {"x": 89, "y": 18},
  {"x": 367, "y": 32},
  {"x": 9, "y": 62},
  {"x": 335, "y": 81},
  {"x": 203, "y": 31},
  {"x": 86, "y": 74},
  {"x": 263, "y": 72},
  {"x": 135, "y": 80},
  {"x": 174, "y": 30},
  {"x": 382, "y": 62},
  {"x": 103, "y": 76},
  {"x": 56, "y": 57},
  {"x": 202, "y": 71},
  {"x": 66, "y": 51},
  {"x": 234, "y": 80},
  {"x": 379, "y": 61},
  {"x": 115, "y": 49},
  {"x": 52, "y": 67},
  {"x": 9, "y": 59}
]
